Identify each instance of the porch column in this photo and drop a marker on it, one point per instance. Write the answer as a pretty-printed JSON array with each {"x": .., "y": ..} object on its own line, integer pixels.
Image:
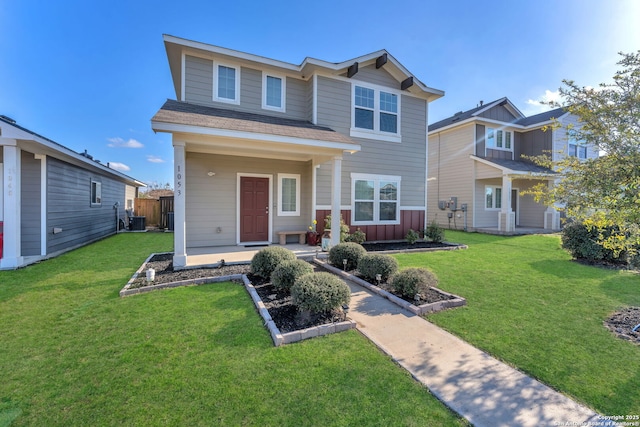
[
  {"x": 507, "y": 218},
  {"x": 551, "y": 215},
  {"x": 179, "y": 207},
  {"x": 336, "y": 198},
  {"x": 11, "y": 253}
]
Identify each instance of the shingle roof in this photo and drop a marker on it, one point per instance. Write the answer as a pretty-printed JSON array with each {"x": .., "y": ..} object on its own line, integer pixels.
[
  {"x": 519, "y": 166},
  {"x": 542, "y": 117},
  {"x": 184, "y": 113},
  {"x": 458, "y": 117}
]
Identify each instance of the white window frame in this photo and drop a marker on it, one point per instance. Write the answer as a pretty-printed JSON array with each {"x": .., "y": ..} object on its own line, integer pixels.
[
  {"x": 97, "y": 200},
  {"x": 376, "y": 198},
  {"x": 375, "y": 133},
  {"x": 216, "y": 65},
  {"x": 496, "y": 131},
  {"x": 496, "y": 202},
  {"x": 283, "y": 92},
  {"x": 281, "y": 211},
  {"x": 577, "y": 146}
]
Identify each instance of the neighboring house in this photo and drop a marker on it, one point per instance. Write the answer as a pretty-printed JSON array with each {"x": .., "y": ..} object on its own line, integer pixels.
[
  {"x": 478, "y": 167},
  {"x": 54, "y": 199},
  {"x": 263, "y": 146}
]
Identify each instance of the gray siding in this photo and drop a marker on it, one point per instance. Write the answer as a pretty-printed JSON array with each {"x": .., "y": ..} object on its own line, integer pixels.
[
  {"x": 212, "y": 201},
  {"x": 69, "y": 206},
  {"x": 199, "y": 90},
  {"x": 30, "y": 204},
  {"x": 480, "y": 143},
  {"x": 334, "y": 104},
  {"x": 535, "y": 143},
  {"x": 380, "y": 77},
  {"x": 498, "y": 113}
]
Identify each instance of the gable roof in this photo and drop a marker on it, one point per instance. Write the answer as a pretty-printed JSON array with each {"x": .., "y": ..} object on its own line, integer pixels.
[
  {"x": 517, "y": 166},
  {"x": 175, "y": 46},
  {"x": 10, "y": 129},
  {"x": 521, "y": 122}
]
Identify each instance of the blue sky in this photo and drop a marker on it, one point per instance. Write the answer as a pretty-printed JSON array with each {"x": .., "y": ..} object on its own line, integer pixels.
[{"x": 90, "y": 75}]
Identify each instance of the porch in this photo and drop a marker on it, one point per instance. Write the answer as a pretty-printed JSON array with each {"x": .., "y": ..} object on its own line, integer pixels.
[{"x": 211, "y": 256}]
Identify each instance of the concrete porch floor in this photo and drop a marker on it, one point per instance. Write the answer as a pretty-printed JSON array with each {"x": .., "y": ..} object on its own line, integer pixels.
[
  {"x": 517, "y": 232},
  {"x": 211, "y": 256}
]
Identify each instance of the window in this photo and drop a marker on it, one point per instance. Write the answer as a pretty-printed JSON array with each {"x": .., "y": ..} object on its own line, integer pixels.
[
  {"x": 96, "y": 193},
  {"x": 576, "y": 149},
  {"x": 288, "y": 195},
  {"x": 376, "y": 199},
  {"x": 375, "y": 114},
  {"x": 273, "y": 92},
  {"x": 226, "y": 81},
  {"x": 493, "y": 197},
  {"x": 499, "y": 139}
]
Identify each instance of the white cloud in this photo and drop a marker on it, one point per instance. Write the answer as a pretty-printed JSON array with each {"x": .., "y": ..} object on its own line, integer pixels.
[
  {"x": 540, "y": 105},
  {"x": 119, "y": 166},
  {"x": 121, "y": 143},
  {"x": 154, "y": 159}
]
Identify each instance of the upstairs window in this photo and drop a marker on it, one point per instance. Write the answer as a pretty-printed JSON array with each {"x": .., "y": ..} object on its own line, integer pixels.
[
  {"x": 499, "y": 139},
  {"x": 375, "y": 114},
  {"x": 576, "y": 149},
  {"x": 273, "y": 92},
  {"x": 96, "y": 193},
  {"x": 226, "y": 83}
]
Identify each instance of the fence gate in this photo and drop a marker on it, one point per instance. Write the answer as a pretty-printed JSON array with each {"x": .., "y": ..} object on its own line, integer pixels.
[{"x": 166, "y": 206}]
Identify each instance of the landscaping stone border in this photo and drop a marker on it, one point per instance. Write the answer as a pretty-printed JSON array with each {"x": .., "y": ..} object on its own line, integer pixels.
[
  {"x": 450, "y": 247},
  {"x": 454, "y": 301},
  {"x": 278, "y": 337}
]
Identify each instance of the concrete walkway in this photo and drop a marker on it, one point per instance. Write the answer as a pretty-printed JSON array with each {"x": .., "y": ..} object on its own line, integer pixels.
[{"x": 475, "y": 385}]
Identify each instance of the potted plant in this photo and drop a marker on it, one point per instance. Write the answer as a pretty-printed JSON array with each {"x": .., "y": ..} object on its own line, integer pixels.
[{"x": 312, "y": 234}]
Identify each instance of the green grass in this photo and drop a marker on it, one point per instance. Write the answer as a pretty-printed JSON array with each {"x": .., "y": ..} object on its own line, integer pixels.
[
  {"x": 74, "y": 353},
  {"x": 531, "y": 306}
]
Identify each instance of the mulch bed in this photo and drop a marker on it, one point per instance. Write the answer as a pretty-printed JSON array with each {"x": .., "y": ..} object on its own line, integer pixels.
[
  {"x": 623, "y": 322},
  {"x": 426, "y": 297},
  {"x": 401, "y": 246}
]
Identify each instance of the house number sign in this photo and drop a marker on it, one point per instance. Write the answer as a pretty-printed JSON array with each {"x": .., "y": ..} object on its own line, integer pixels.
[{"x": 179, "y": 181}]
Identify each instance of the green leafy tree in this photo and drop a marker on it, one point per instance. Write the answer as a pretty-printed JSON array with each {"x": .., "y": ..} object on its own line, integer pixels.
[{"x": 604, "y": 191}]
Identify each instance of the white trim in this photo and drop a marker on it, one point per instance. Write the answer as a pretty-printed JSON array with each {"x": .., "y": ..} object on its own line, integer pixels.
[
  {"x": 511, "y": 171},
  {"x": 376, "y": 133},
  {"x": 283, "y": 91},
  {"x": 328, "y": 207},
  {"x": 255, "y": 175},
  {"x": 282, "y": 176},
  {"x": 216, "y": 65},
  {"x": 412, "y": 208},
  {"x": 494, "y": 189},
  {"x": 97, "y": 202},
  {"x": 266, "y": 137},
  {"x": 376, "y": 198},
  {"x": 43, "y": 203},
  {"x": 183, "y": 77}
]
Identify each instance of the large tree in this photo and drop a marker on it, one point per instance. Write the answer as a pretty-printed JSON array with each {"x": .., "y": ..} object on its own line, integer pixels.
[{"x": 603, "y": 191}]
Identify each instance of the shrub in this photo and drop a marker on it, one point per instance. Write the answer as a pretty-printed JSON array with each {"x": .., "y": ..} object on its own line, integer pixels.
[
  {"x": 434, "y": 232},
  {"x": 371, "y": 265},
  {"x": 358, "y": 236},
  {"x": 344, "y": 228},
  {"x": 413, "y": 281},
  {"x": 412, "y": 236},
  {"x": 319, "y": 292},
  {"x": 584, "y": 242},
  {"x": 347, "y": 250},
  {"x": 265, "y": 261},
  {"x": 285, "y": 274}
]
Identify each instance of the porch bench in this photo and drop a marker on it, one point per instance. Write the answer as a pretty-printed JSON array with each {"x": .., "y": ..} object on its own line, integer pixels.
[{"x": 282, "y": 235}]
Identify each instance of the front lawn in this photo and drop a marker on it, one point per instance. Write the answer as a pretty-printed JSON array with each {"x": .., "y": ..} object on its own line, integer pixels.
[
  {"x": 531, "y": 306},
  {"x": 74, "y": 353}
]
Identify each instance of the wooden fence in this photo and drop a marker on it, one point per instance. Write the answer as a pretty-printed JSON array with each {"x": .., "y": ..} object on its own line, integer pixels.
[{"x": 155, "y": 211}]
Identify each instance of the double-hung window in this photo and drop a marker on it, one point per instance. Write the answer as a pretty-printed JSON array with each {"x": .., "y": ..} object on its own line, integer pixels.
[
  {"x": 376, "y": 199},
  {"x": 576, "y": 149},
  {"x": 492, "y": 197},
  {"x": 499, "y": 139},
  {"x": 288, "y": 194},
  {"x": 96, "y": 193},
  {"x": 273, "y": 92},
  {"x": 226, "y": 83},
  {"x": 376, "y": 114}
]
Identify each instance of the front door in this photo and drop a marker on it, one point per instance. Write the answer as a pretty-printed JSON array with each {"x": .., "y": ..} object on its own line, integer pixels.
[
  {"x": 254, "y": 209},
  {"x": 514, "y": 204}
]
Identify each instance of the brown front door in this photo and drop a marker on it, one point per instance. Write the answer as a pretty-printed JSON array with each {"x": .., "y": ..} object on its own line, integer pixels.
[{"x": 254, "y": 209}]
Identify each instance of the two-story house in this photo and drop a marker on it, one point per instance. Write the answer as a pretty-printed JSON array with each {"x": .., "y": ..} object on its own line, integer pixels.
[
  {"x": 263, "y": 146},
  {"x": 478, "y": 167}
]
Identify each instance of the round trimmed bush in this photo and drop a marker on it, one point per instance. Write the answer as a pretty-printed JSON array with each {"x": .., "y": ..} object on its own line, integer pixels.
[
  {"x": 412, "y": 281},
  {"x": 319, "y": 292},
  {"x": 285, "y": 275},
  {"x": 370, "y": 265},
  {"x": 350, "y": 251},
  {"x": 265, "y": 261}
]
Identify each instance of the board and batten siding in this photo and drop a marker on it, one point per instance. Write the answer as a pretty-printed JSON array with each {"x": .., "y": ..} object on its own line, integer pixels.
[
  {"x": 212, "y": 200},
  {"x": 499, "y": 113},
  {"x": 199, "y": 87},
  {"x": 69, "y": 206},
  {"x": 531, "y": 214},
  {"x": 30, "y": 204},
  {"x": 451, "y": 172},
  {"x": 535, "y": 143}
]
